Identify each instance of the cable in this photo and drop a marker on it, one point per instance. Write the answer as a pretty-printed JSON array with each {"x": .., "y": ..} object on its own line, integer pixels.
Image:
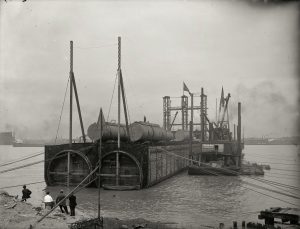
[
  {"x": 19, "y": 167},
  {"x": 86, "y": 184},
  {"x": 276, "y": 183},
  {"x": 112, "y": 96},
  {"x": 289, "y": 178},
  {"x": 271, "y": 197},
  {"x": 21, "y": 159},
  {"x": 57, "y": 204},
  {"x": 37, "y": 162},
  {"x": 237, "y": 173},
  {"x": 283, "y": 174},
  {"x": 286, "y": 170},
  {"x": 127, "y": 105},
  {"x": 258, "y": 156},
  {"x": 272, "y": 190},
  {"x": 62, "y": 108},
  {"x": 20, "y": 185}
]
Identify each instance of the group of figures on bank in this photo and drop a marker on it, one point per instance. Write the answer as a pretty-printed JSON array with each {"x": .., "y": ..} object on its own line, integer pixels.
[{"x": 49, "y": 202}]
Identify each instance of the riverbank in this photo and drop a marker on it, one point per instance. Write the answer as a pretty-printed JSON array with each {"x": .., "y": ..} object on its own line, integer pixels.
[{"x": 15, "y": 214}]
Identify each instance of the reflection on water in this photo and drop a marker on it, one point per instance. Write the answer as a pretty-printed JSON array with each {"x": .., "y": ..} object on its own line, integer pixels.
[{"x": 187, "y": 200}]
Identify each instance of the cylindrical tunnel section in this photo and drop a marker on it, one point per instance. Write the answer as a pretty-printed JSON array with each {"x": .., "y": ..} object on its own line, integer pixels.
[
  {"x": 110, "y": 132},
  {"x": 144, "y": 131}
]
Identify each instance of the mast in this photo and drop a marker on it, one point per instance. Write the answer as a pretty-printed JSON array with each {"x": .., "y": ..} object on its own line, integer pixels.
[
  {"x": 99, "y": 156},
  {"x": 71, "y": 111},
  {"x": 119, "y": 87},
  {"x": 71, "y": 93}
]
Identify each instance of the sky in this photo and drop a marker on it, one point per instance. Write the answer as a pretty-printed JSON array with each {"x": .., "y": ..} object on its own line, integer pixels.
[{"x": 251, "y": 49}]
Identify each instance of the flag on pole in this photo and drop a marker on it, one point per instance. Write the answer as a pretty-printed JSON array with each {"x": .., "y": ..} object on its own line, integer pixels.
[{"x": 185, "y": 88}]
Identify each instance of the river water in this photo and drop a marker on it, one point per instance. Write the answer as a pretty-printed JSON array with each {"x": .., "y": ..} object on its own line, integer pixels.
[{"x": 186, "y": 200}]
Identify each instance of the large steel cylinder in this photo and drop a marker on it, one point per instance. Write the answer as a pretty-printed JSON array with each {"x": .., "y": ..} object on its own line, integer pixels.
[
  {"x": 110, "y": 131},
  {"x": 144, "y": 131},
  {"x": 182, "y": 135}
]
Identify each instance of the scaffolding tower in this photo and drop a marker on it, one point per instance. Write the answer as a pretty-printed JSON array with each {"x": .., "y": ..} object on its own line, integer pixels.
[{"x": 184, "y": 108}]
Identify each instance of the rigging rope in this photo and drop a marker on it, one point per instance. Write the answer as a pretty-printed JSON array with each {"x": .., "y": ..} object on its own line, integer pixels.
[
  {"x": 20, "y": 185},
  {"x": 21, "y": 159},
  {"x": 272, "y": 197},
  {"x": 236, "y": 173},
  {"x": 37, "y": 162},
  {"x": 286, "y": 170},
  {"x": 22, "y": 166},
  {"x": 62, "y": 108},
  {"x": 74, "y": 190},
  {"x": 127, "y": 105},
  {"x": 29, "y": 164},
  {"x": 272, "y": 190},
  {"x": 283, "y": 174},
  {"x": 112, "y": 96}
]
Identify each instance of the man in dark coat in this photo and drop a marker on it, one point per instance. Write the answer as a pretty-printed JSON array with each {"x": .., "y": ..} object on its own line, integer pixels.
[
  {"x": 25, "y": 193},
  {"x": 63, "y": 204},
  {"x": 72, "y": 204}
]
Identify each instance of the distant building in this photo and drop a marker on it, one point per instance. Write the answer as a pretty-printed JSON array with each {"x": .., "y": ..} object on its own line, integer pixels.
[{"x": 6, "y": 138}]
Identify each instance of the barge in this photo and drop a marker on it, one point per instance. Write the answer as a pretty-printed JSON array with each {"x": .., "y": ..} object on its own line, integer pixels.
[{"x": 142, "y": 154}]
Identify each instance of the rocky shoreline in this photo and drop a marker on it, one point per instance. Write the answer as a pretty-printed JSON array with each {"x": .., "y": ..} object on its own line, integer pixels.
[{"x": 15, "y": 214}]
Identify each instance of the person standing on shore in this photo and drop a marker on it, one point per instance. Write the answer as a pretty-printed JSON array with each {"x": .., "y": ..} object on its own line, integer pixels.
[
  {"x": 48, "y": 201},
  {"x": 72, "y": 204},
  {"x": 25, "y": 193},
  {"x": 63, "y": 204}
]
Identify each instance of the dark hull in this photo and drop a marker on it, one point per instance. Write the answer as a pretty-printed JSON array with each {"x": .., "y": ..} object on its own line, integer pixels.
[{"x": 133, "y": 166}]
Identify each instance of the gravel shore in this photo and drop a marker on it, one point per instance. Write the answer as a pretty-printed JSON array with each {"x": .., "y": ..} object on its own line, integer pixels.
[{"x": 15, "y": 214}]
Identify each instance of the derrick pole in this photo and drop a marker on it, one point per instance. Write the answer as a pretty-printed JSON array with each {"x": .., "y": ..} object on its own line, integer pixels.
[
  {"x": 71, "y": 112},
  {"x": 202, "y": 116},
  {"x": 119, "y": 109},
  {"x": 99, "y": 161},
  {"x": 239, "y": 128},
  {"x": 71, "y": 93}
]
